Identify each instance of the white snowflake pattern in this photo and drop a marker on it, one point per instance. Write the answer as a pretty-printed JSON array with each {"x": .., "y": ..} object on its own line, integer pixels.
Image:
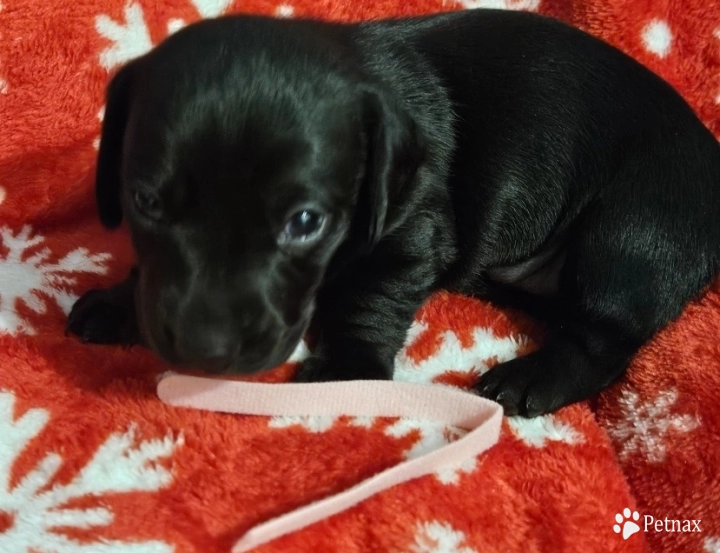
[
  {"x": 364, "y": 422},
  {"x": 439, "y": 537},
  {"x": 284, "y": 11},
  {"x": 315, "y": 423},
  {"x": 538, "y": 431},
  {"x": 451, "y": 475},
  {"x": 211, "y": 8},
  {"x": 452, "y": 356},
  {"x": 644, "y": 425},
  {"x": 518, "y": 5},
  {"x": 657, "y": 37},
  {"x": 30, "y": 278},
  {"x": 131, "y": 39},
  {"x": 711, "y": 545},
  {"x": 100, "y": 116},
  {"x": 174, "y": 25},
  {"x": 311, "y": 423},
  {"x": 35, "y": 509}
]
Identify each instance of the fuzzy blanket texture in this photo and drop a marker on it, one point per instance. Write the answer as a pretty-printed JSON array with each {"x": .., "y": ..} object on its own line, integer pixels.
[{"x": 92, "y": 462}]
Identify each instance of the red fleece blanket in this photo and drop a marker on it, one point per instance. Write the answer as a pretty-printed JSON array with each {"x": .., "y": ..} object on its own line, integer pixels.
[{"x": 91, "y": 461}]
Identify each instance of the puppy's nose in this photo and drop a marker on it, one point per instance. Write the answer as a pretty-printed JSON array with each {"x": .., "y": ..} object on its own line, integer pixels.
[
  {"x": 205, "y": 336},
  {"x": 208, "y": 345}
]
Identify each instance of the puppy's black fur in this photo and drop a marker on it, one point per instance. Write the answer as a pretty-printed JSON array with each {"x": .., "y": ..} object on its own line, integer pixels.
[{"x": 499, "y": 154}]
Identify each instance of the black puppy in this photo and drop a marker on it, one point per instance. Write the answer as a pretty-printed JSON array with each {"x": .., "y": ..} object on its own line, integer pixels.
[{"x": 278, "y": 173}]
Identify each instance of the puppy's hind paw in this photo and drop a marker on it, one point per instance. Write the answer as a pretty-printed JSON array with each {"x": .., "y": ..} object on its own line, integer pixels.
[{"x": 103, "y": 317}]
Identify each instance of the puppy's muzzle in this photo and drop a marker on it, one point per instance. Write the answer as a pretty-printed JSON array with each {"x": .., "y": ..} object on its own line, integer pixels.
[
  {"x": 214, "y": 332},
  {"x": 202, "y": 331}
]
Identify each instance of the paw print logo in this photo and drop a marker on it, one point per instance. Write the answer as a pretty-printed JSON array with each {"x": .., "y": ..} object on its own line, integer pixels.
[{"x": 628, "y": 527}]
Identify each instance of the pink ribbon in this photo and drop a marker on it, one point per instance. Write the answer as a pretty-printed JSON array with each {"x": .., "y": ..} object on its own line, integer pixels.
[{"x": 370, "y": 398}]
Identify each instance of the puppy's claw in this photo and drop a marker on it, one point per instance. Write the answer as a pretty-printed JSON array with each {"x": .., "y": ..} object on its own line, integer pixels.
[
  {"x": 486, "y": 388},
  {"x": 515, "y": 386},
  {"x": 508, "y": 401}
]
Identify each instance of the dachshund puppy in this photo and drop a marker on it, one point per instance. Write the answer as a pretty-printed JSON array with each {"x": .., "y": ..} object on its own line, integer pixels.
[{"x": 284, "y": 176}]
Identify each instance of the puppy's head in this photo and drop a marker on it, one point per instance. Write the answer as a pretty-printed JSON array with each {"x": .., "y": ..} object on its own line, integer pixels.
[{"x": 243, "y": 154}]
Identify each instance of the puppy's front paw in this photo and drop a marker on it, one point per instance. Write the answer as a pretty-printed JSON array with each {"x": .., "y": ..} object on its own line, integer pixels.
[
  {"x": 103, "y": 317},
  {"x": 523, "y": 387}
]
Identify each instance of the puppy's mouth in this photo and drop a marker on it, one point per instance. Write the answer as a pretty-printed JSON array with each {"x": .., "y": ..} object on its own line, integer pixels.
[
  {"x": 259, "y": 358},
  {"x": 258, "y": 362}
]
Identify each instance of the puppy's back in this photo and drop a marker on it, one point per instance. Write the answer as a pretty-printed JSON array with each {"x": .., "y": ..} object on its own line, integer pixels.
[{"x": 546, "y": 119}]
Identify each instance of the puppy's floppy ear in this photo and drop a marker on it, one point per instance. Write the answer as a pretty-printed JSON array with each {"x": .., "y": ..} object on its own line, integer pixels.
[
  {"x": 108, "y": 176},
  {"x": 394, "y": 153}
]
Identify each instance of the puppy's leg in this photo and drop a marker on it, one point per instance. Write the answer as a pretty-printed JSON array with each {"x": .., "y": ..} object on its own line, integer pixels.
[
  {"x": 359, "y": 333},
  {"x": 363, "y": 317},
  {"x": 623, "y": 281},
  {"x": 106, "y": 316}
]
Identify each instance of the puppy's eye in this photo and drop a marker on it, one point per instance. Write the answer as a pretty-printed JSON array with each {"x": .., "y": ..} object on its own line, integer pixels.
[
  {"x": 304, "y": 225},
  {"x": 147, "y": 203}
]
